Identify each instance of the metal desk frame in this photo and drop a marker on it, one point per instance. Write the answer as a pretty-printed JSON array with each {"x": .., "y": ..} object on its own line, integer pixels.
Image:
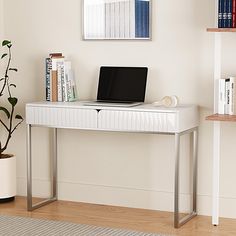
[{"x": 177, "y": 220}]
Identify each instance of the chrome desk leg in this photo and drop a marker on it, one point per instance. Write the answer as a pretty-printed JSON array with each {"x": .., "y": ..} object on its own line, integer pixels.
[
  {"x": 54, "y": 165},
  {"x": 177, "y": 221},
  {"x": 29, "y": 169},
  {"x": 30, "y": 205}
]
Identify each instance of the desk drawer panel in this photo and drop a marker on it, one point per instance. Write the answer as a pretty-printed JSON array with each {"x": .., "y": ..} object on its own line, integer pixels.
[
  {"x": 61, "y": 117},
  {"x": 137, "y": 121}
]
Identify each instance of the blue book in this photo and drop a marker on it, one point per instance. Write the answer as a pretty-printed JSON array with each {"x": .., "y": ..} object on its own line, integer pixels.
[
  {"x": 225, "y": 14},
  {"x": 220, "y": 14},
  {"x": 229, "y": 13}
]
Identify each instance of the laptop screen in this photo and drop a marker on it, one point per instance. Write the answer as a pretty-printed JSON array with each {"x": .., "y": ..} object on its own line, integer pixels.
[{"x": 122, "y": 84}]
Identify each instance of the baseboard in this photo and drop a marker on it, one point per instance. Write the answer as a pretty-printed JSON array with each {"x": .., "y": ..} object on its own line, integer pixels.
[{"x": 128, "y": 197}]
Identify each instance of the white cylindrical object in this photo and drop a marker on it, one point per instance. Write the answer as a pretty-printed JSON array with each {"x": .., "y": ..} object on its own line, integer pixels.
[{"x": 7, "y": 177}]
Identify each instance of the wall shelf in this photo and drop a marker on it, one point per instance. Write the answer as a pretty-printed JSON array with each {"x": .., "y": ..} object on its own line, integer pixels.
[
  {"x": 215, "y": 30},
  {"x": 218, "y": 117}
]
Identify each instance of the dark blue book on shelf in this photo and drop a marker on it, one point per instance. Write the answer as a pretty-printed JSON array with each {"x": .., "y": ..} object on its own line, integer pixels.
[
  {"x": 220, "y": 14},
  {"x": 48, "y": 87},
  {"x": 225, "y": 14},
  {"x": 141, "y": 19},
  {"x": 229, "y": 13}
]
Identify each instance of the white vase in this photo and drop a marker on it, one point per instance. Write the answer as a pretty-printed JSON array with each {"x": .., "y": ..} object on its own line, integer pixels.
[{"x": 7, "y": 179}]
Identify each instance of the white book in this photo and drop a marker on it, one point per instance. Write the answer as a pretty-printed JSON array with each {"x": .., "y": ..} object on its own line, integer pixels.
[
  {"x": 59, "y": 82},
  {"x": 232, "y": 96},
  {"x": 221, "y": 96},
  {"x": 227, "y": 96},
  {"x": 67, "y": 84}
]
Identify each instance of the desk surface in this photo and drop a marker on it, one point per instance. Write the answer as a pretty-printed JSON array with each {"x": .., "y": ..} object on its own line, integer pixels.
[
  {"x": 143, "y": 107},
  {"x": 141, "y": 118}
]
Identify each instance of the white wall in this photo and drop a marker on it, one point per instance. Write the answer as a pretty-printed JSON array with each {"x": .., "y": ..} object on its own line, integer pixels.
[{"x": 123, "y": 169}]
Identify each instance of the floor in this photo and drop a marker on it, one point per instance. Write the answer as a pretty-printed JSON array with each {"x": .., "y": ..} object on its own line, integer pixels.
[{"x": 120, "y": 217}]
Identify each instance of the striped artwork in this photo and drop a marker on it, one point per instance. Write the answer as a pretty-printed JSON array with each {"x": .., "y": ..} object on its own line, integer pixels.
[{"x": 117, "y": 19}]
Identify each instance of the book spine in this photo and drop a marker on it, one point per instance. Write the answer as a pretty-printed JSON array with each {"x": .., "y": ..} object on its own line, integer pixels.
[
  {"x": 234, "y": 14},
  {"x": 229, "y": 13},
  {"x": 221, "y": 96},
  {"x": 63, "y": 82},
  {"x": 48, "y": 79},
  {"x": 54, "y": 80},
  {"x": 227, "y": 96},
  {"x": 67, "y": 83},
  {"x": 59, "y": 82},
  {"x": 220, "y": 14},
  {"x": 224, "y": 14},
  {"x": 232, "y": 96}
]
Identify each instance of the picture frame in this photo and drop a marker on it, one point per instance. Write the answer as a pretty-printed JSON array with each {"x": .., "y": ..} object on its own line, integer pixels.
[{"x": 116, "y": 19}]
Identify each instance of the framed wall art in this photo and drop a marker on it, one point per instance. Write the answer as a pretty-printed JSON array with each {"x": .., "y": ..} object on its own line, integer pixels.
[{"x": 116, "y": 19}]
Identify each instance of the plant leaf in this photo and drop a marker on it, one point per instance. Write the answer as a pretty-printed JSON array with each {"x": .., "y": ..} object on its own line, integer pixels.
[
  {"x": 3, "y": 55},
  {"x": 13, "y": 85},
  {"x": 13, "y": 69},
  {"x": 6, "y": 111},
  {"x": 13, "y": 101},
  {"x": 19, "y": 117},
  {"x": 5, "y": 42},
  {"x": 2, "y": 79}
]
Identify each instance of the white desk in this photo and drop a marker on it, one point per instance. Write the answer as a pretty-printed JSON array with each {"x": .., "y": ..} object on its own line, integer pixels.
[{"x": 142, "y": 119}]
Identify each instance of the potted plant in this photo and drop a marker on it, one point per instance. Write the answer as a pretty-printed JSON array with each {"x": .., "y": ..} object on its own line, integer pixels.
[{"x": 9, "y": 121}]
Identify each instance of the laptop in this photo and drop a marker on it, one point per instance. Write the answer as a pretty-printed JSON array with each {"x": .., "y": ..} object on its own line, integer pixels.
[{"x": 121, "y": 86}]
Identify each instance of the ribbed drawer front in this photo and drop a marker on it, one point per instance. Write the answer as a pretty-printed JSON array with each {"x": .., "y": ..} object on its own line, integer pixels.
[
  {"x": 137, "y": 121},
  {"x": 61, "y": 117}
]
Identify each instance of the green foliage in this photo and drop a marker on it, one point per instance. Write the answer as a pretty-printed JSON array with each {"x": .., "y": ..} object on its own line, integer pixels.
[
  {"x": 6, "y": 42},
  {"x": 3, "y": 55},
  {"x": 6, "y": 111},
  {"x": 8, "y": 120}
]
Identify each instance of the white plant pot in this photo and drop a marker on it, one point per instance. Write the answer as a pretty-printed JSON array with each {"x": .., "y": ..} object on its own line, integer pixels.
[{"x": 7, "y": 178}]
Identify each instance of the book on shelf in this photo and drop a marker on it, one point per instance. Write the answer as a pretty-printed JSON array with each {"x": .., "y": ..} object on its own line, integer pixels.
[
  {"x": 234, "y": 14},
  {"x": 226, "y": 96},
  {"x": 226, "y": 13},
  {"x": 60, "y": 81}
]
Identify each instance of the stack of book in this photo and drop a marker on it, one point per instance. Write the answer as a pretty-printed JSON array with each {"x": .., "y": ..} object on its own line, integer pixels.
[
  {"x": 60, "y": 82},
  {"x": 226, "y": 96},
  {"x": 227, "y": 14}
]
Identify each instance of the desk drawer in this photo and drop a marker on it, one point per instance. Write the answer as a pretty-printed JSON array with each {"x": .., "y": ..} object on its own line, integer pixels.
[
  {"x": 137, "y": 121},
  {"x": 61, "y": 117}
]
